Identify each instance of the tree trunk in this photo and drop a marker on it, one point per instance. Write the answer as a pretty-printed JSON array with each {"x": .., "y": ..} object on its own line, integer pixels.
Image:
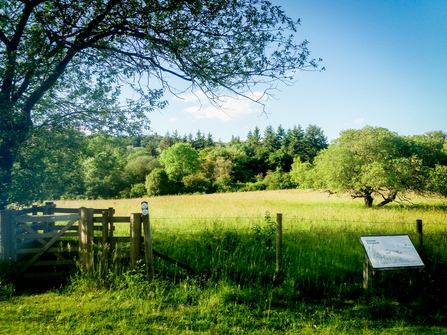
[
  {"x": 368, "y": 200},
  {"x": 7, "y": 161},
  {"x": 387, "y": 200},
  {"x": 14, "y": 129}
]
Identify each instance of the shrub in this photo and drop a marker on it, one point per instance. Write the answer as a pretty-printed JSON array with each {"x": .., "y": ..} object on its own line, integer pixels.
[
  {"x": 258, "y": 186},
  {"x": 277, "y": 180},
  {"x": 125, "y": 194},
  {"x": 138, "y": 190},
  {"x": 223, "y": 184},
  {"x": 157, "y": 183},
  {"x": 302, "y": 174},
  {"x": 197, "y": 183}
]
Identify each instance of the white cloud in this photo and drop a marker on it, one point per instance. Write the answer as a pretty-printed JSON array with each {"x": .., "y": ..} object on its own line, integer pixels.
[
  {"x": 232, "y": 108},
  {"x": 359, "y": 121},
  {"x": 173, "y": 119}
]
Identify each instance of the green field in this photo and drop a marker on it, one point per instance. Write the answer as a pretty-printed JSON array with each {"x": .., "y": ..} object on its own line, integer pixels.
[{"x": 229, "y": 240}]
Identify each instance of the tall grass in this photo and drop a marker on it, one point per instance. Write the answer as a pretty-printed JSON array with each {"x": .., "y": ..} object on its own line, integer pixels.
[
  {"x": 226, "y": 237},
  {"x": 291, "y": 203},
  {"x": 229, "y": 240}
]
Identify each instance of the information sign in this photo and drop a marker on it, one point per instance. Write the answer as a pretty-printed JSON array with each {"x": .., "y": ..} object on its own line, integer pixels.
[{"x": 389, "y": 252}]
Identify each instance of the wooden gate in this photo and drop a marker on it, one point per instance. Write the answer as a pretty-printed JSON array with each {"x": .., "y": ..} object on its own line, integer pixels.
[
  {"x": 44, "y": 245},
  {"x": 38, "y": 245},
  {"x": 51, "y": 244},
  {"x": 53, "y": 249}
]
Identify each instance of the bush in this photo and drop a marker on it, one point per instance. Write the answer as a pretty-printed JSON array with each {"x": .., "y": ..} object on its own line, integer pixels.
[
  {"x": 197, "y": 183},
  {"x": 157, "y": 183},
  {"x": 223, "y": 184},
  {"x": 138, "y": 190},
  {"x": 125, "y": 194},
  {"x": 258, "y": 186},
  {"x": 277, "y": 180},
  {"x": 302, "y": 174}
]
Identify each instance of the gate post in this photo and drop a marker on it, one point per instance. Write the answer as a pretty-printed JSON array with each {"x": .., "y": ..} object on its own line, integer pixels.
[
  {"x": 49, "y": 210},
  {"x": 8, "y": 255},
  {"x": 148, "y": 241},
  {"x": 86, "y": 233},
  {"x": 135, "y": 239},
  {"x": 105, "y": 241}
]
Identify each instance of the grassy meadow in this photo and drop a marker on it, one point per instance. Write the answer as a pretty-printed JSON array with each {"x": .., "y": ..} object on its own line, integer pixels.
[
  {"x": 229, "y": 241},
  {"x": 291, "y": 203}
]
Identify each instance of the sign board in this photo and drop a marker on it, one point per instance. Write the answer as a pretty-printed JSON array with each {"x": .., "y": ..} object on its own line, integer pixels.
[{"x": 391, "y": 252}]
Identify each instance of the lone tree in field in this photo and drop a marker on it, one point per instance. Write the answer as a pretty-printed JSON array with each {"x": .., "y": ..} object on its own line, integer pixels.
[
  {"x": 375, "y": 161},
  {"x": 63, "y": 63}
]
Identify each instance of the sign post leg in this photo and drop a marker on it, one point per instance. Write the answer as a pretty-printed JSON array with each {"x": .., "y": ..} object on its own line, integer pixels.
[{"x": 367, "y": 273}]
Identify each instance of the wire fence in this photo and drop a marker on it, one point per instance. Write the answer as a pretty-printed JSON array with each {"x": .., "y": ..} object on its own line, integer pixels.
[
  {"x": 289, "y": 224},
  {"x": 335, "y": 235}
]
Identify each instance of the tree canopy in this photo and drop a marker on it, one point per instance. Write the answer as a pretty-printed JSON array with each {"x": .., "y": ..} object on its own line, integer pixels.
[
  {"x": 180, "y": 160},
  {"x": 375, "y": 161},
  {"x": 64, "y": 63}
]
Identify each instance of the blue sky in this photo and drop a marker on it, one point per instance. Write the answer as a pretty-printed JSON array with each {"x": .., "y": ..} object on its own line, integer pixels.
[{"x": 386, "y": 65}]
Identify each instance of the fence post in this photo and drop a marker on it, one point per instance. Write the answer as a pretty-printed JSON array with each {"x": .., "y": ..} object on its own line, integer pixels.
[
  {"x": 34, "y": 213},
  {"x": 419, "y": 231},
  {"x": 278, "y": 242},
  {"x": 50, "y": 206},
  {"x": 147, "y": 241},
  {"x": 111, "y": 227},
  {"x": 135, "y": 239},
  {"x": 86, "y": 237},
  {"x": 105, "y": 227},
  {"x": 8, "y": 255},
  {"x": 49, "y": 210},
  {"x": 105, "y": 241}
]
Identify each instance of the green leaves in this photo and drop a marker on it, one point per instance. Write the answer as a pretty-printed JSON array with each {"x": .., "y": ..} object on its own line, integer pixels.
[
  {"x": 180, "y": 160},
  {"x": 63, "y": 63},
  {"x": 377, "y": 161}
]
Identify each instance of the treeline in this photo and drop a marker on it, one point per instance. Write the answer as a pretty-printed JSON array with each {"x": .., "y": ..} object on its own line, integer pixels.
[{"x": 67, "y": 164}]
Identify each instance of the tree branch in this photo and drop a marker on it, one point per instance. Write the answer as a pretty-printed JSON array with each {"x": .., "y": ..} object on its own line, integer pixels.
[
  {"x": 48, "y": 83},
  {"x": 27, "y": 10},
  {"x": 150, "y": 59},
  {"x": 3, "y": 38}
]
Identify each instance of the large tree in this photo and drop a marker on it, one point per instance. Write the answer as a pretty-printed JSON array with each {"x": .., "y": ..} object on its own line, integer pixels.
[
  {"x": 375, "y": 161},
  {"x": 64, "y": 62},
  {"x": 180, "y": 160}
]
